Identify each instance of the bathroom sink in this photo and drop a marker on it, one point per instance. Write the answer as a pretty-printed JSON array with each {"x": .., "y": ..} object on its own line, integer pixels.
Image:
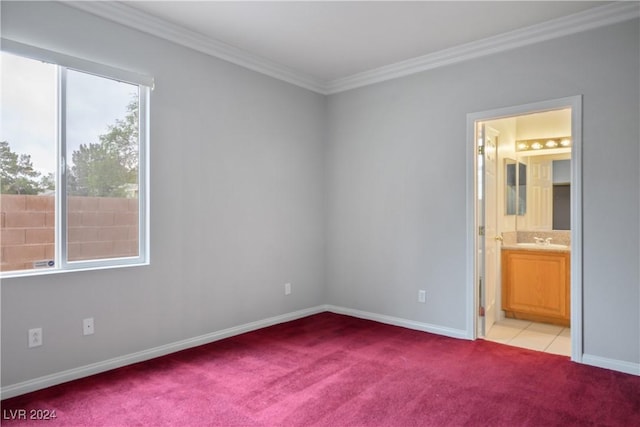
[{"x": 542, "y": 246}]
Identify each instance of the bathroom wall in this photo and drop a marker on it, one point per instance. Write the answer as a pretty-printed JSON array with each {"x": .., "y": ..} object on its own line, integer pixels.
[
  {"x": 506, "y": 150},
  {"x": 530, "y": 126},
  {"x": 544, "y": 125}
]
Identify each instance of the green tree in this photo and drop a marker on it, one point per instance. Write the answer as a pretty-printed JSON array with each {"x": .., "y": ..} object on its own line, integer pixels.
[
  {"x": 17, "y": 174},
  {"x": 108, "y": 168},
  {"x": 48, "y": 182}
]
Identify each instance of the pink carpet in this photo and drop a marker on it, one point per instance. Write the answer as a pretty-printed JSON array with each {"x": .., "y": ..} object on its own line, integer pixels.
[{"x": 333, "y": 370}]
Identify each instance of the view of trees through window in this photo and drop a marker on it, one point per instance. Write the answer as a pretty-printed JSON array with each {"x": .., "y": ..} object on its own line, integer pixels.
[
  {"x": 103, "y": 164},
  {"x": 107, "y": 168},
  {"x": 99, "y": 133},
  {"x": 18, "y": 174}
]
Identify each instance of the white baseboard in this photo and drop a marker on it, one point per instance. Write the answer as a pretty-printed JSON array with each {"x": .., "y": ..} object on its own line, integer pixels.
[
  {"x": 398, "y": 321},
  {"x": 613, "y": 364},
  {"x": 118, "y": 362}
]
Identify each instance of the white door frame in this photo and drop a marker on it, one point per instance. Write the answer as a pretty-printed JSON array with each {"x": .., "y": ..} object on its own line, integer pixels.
[{"x": 575, "y": 103}]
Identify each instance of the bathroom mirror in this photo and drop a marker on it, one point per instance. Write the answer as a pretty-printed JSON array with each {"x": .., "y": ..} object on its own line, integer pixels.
[
  {"x": 543, "y": 185},
  {"x": 561, "y": 170},
  {"x": 515, "y": 187}
]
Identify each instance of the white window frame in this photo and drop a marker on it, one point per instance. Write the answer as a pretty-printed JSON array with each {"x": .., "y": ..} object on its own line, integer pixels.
[{"x": 145, "y": 85}]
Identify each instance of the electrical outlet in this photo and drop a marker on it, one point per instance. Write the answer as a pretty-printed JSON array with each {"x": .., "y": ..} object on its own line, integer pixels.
[
  {"x": 35, "y": 337},
  {"x": 287, "y": 288},
  {"x": 422, "y": 296},
  {"x": 87, "y": 326}
]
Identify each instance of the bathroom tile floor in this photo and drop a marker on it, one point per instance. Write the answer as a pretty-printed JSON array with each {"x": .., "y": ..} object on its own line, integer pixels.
[{"x": 534, "y": 336}]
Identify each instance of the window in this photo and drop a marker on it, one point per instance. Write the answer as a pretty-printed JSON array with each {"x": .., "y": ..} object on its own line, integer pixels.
[{"x": 73, "y": 152}]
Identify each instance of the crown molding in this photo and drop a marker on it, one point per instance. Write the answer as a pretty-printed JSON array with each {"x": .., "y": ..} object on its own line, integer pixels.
[
  {"x": 126, "y": 15},
  {"x": 593, "y": 18},
  {"x": 571, "y": 24}
]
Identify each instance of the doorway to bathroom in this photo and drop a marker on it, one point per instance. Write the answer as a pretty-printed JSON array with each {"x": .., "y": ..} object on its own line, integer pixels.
[{"x": 524, "y": 220}]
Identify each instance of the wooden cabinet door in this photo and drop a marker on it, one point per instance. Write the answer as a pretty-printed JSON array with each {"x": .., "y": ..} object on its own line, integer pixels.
[{"x": 536, "y": 285}]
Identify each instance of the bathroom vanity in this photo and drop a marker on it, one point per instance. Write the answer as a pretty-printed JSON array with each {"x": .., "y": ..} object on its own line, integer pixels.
[{"x": 536, "y": 282}]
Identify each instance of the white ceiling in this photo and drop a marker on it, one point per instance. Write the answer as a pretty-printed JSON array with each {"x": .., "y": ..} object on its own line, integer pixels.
[
  {"x": 332, "y": 46},
  {"x": 332, "y": 40}
]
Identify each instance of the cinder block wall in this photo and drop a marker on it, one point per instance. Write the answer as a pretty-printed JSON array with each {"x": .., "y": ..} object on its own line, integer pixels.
[{"x": 99, "y": 227}]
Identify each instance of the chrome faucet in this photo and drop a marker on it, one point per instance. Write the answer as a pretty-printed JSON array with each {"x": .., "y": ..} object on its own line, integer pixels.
[{"x": 541, "y": 241}]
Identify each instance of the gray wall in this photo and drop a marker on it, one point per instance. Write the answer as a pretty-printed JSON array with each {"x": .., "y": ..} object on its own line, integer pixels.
[
  {"x": 237, "y": 206},
  {"x": 396, "y": 181},
  {"x": 358, "y": 199},
  {"x": 561, "y": 171}
]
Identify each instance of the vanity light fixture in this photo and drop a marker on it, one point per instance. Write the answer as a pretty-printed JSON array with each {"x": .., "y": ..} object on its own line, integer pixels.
[
  {"x": 551, "y": 144},
  {"x": 534, "y": 144}
]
